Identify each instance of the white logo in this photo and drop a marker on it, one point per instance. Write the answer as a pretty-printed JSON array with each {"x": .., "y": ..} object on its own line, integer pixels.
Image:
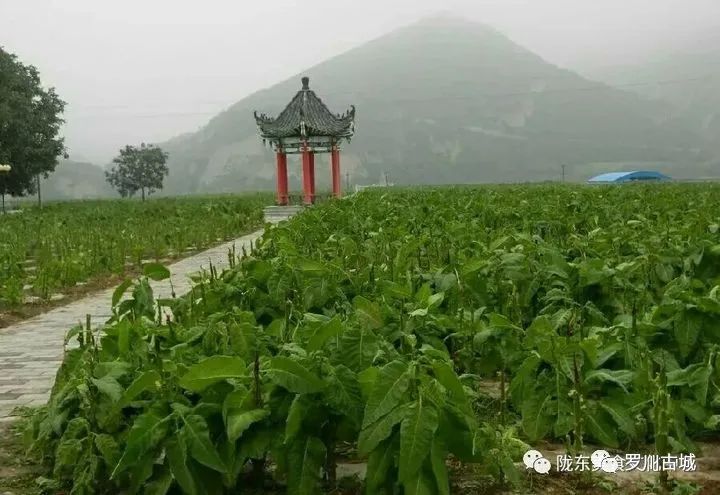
[
  {"x": 602, "y": 461},
  {"x": 609, "y": 465},
  {"x": 597, "y": 458},
  {"x": 533, "y": 459},
  {"x": 542, "y": 466}
]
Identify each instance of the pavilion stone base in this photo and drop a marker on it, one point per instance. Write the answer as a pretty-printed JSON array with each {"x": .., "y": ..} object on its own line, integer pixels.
[{"x": 276, "y": 214}]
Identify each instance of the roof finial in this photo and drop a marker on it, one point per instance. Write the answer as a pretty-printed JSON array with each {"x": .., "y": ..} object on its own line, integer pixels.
[{"x": 306, "y": 82}]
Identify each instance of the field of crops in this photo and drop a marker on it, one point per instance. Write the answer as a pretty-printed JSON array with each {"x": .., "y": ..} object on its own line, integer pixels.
[
  {"x": 45, "y": 251},
  {"x": 370, "y": 328}
]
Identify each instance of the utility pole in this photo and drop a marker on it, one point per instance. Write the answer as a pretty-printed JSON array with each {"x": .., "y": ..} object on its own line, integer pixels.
[
  {"x": 347, "y": 182},
  {"x": 386, "y": 179},
  {"x": 563, "y": 173}
]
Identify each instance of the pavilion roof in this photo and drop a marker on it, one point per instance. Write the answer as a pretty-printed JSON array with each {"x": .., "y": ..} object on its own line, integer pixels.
[{"x": 306, "y": 116}]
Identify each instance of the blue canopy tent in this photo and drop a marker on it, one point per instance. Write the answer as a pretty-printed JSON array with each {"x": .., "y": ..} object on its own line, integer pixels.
[{"x": 619, "y": 177}]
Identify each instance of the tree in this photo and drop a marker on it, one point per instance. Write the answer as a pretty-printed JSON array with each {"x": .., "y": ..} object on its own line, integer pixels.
[
  {"x": 30, "y": 121},
  {"x": 138, "y": 169}
]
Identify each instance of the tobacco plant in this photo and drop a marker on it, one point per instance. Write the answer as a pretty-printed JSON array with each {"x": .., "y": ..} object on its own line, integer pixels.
[{"x": 372, "y": 322}]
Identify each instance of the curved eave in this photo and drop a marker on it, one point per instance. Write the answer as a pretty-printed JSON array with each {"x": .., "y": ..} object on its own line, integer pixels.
[
  {"x": 268, "y": 130},
  {"x": 306, "y": 116}
]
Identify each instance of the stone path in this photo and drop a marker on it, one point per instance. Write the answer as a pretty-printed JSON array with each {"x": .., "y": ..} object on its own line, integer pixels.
[{"x": 31, "y": 351}]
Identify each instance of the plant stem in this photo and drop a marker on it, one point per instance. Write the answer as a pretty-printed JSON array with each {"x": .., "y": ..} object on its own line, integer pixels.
[{"x": 502, "y": 396}]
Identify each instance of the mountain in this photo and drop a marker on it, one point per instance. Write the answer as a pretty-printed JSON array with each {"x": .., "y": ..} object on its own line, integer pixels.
[
  {"x": 76, "y": 180},
  {"x": 687, "y": 77},
  {"x": 444, "y": 101}
]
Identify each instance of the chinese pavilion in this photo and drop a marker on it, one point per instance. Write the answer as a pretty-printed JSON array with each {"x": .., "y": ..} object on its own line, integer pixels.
[{"x": 306, "y": 127}]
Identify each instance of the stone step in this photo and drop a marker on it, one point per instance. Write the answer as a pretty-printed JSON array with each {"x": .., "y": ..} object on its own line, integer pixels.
[
  {"x": 275, "y": 214},
  {"x": 282, "y": 210}
]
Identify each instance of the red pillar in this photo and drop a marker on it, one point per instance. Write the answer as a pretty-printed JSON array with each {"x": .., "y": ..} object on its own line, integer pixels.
[
  {"x": 312, "y": 175},
  {"x": 282, "y": 179},
  {"x": 307, "y": 187},
  {"x": 335, "y": 170}
]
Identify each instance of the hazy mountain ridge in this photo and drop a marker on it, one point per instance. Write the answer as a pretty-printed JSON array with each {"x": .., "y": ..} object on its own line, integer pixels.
[
  {"x": 688, "y": 77},
  {"x": 443, "y": 100},
  {"x": 448, "y": 101}
]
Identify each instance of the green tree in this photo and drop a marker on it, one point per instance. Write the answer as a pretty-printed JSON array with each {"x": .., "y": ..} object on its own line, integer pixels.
[
  {"x": 138, "y": 169},
  {"x": 30, "y": 121}
]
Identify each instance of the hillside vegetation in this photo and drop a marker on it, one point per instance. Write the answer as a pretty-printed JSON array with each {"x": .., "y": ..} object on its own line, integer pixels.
[{"x": 444, "y": 101}]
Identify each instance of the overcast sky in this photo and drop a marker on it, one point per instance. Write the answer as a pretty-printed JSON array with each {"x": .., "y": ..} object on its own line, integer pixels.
[{"x": 137, "y": 70}]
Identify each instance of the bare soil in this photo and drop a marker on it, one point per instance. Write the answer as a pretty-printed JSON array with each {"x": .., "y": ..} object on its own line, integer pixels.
[{"x": 17, "y": 474}]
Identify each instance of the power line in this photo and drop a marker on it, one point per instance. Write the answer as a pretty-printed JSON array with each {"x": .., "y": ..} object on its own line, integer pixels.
[{"x": 596, "y": 87}]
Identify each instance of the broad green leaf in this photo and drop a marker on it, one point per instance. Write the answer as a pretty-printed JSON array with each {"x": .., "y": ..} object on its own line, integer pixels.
[
  {"x": 536, "y": 416},
  {"x": 176, "y": 452},
  {"x": 695, "y": 411},
  {"x": 358, "y": 347},
  {"x": 700, "y": 382},
  {"x": 366, "y": 379},
  {"x": 147, "y": 430},
  {"x": 472, "y": 266},
  {"x": 327, "y": 331},
  {"x": 120, "y": 291},
  {"x": 67, "y": 455},
  {"x": 160, "y": 484},
  {"x": 447, "y": 377},
  {"x": 238, "y": 422},
  {"x": 293, "y": 376},
  {"x": 109, "y": 386},
  {"x": 394, "y": 290},
  {"x": 150, "y": 380},
  {"x": 500, "y": 321},
  {"x": 200, "y": 447},
  {"x": 620, "y": 413},
  {"x": 524, "y": 381},
  {"x": 305, "y": 459},
  {"x": 239, "y": 400},
  {"x": 420, "y": 484},
  {"x": 309, "y": 266},
  {"x": 564, "y": 417},
  {"x": 380, "y": 462},
  {"x": 435, "y": 300},
  {"x": 124, "y": 331},
  {"x": 375, "y": 433},
  {"x": 257, "y": 442},
  {"x": 112, "y": 369},
  {"x": 605, "y": 352},
  {"x": 416, "y": 435},
  {"x": 156, "y": 271},
  {"x": 108, "y": 448},
  {"x": 343, "y": 392},
  {"x": 622, "y": 378},
  {"x": 687, "y": 330},
  {"x": 212, "y": 370},
  {"x": 389, "y": 389},
  {"x": 141, "y": 472},
  {"x": 368, "y": 312},
  {"x": 295, "y": 417},
  {"x": 438, "y": 454},
  {"x": 600, "y": 427}
]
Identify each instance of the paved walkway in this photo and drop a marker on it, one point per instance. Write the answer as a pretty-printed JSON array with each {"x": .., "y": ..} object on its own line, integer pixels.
[{"x": 31, "y": 351}]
